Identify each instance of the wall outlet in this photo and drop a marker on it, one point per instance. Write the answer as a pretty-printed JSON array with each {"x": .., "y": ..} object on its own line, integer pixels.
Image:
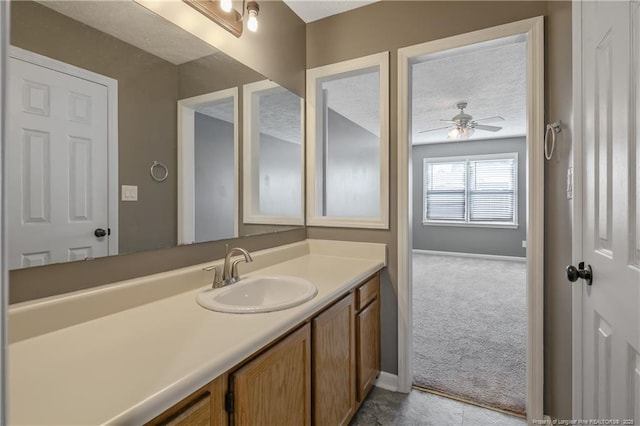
[
  {"x": 524, "y": 243},
  {"x": 129, "y": 193}
]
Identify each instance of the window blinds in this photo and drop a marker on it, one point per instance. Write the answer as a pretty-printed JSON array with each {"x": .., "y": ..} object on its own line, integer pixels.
[{"x": 481, "y": 190}]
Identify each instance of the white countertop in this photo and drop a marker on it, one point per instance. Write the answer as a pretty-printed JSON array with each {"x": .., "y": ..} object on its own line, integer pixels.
[{"x": 129, "y": 366}]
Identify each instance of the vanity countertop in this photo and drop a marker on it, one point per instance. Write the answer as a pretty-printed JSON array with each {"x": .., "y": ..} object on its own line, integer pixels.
[{"x": 129, "y": 366}]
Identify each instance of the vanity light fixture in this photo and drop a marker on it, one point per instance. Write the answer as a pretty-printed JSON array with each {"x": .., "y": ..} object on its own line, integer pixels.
[
  {"x": 224, "y": 14},
  {"x": 226, "y": 5}
]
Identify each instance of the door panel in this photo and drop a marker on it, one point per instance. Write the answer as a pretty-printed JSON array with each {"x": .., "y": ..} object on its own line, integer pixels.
[
  {"x": 58, "y": 183},
  {"x": 611, "y": 313}
]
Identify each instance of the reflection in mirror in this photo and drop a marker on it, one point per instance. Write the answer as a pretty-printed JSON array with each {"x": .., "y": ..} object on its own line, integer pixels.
[
  {"x": 348, "y": 143},
  {"x": 208, "y": 167},
  {"x": 93, "y": 103},
  {"x": 273, "y": 155}
]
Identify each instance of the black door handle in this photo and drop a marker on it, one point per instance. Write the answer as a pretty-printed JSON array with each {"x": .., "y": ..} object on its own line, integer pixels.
[
  {"x": 574, "y": 273},
  {"x": 101, "y": 232}
]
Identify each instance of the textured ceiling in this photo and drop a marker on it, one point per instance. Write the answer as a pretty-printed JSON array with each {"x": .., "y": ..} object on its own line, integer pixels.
[
  {"x": 134, "y": 24},
  {"x": 356, "y": 98},
  {"x": 313, "y": 10},
  {"x": 279, "y": 114},
  {"x": 492, "y": 79}
]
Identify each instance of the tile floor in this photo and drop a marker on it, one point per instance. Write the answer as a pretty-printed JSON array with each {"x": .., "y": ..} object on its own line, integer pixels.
[{"x": 383, "y": 407}]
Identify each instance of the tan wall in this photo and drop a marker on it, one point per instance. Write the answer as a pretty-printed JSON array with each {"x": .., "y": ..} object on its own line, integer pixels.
[
  {"x": 285, "y": 66},
  {"x": 390, "y": 25}
]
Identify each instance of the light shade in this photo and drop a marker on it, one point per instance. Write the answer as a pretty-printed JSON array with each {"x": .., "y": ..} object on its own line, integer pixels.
[{"x": 461, "y": 133}]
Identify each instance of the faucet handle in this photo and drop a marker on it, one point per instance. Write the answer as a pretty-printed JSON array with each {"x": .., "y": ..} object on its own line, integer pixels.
[
  {"x": 216, "y": 278},
  {"x": 234, "y": 268}
]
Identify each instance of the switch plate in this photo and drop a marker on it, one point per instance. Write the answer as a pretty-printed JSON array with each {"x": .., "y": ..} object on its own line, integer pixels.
[
  {"x": 129, "y": 193},
  {"x": 524, "y": 243},
  {"x": 570, "y": 183}
]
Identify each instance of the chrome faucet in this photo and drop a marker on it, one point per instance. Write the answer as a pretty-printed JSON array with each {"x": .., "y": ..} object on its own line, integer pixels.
[{"x": 230, "y": 269}]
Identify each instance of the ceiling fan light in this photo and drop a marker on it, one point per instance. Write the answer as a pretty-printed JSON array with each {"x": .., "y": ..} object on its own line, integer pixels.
[
  {"x": 466, "y": 132},
  {"x": 454, "y": 133}
]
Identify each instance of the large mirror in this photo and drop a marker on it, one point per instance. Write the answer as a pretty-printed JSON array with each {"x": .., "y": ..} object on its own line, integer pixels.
[
  {"x": 125, "y": 134},
  {"x": 348, "y": 143},
  {"x": 273, "y": 154}
]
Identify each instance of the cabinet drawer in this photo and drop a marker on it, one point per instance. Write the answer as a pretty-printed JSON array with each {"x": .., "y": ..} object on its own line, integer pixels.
[
  {"x": 367, "y": 292},
  {"x": 197, "y": 413}
]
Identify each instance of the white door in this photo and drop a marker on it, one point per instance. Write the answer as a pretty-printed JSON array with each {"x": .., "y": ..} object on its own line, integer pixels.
[
  {"x": 611, "y": 214},
  {"x": 57, "y": 166}
]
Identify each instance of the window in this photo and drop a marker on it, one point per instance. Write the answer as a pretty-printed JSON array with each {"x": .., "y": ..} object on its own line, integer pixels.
[{"x": 476, "y": 190}]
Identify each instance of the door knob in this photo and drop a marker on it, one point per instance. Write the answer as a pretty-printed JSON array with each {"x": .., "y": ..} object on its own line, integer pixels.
[
  {"x": 574, "y": 273},
  {"x": 101, "y": 232}
]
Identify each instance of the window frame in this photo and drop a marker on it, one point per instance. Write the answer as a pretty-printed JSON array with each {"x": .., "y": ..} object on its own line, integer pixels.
[{"x": 466, "y": 222}]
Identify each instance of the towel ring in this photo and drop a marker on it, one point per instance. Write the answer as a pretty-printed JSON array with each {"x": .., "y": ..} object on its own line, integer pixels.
[
  {"x": 159, "y": 171},
  {"x": 552, "y": 129}
]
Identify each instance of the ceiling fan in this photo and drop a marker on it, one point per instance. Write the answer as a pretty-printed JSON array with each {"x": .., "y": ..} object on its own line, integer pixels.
[{"x": 463, "y": 125}]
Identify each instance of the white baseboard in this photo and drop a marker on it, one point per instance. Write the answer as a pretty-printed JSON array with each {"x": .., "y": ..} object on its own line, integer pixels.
[
  {"x": 474, "y": 255},
  {"x": 387, "y": 381}
]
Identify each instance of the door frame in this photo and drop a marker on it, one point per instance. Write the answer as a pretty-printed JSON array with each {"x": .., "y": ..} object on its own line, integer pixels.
[
  {"x": 112, "y": 127},
  {"x": 576, "y": 211},
  {"x": 186, "y": 153},
  {"x": 4, "y": 264},
  {"x": 534, "y": 29}
]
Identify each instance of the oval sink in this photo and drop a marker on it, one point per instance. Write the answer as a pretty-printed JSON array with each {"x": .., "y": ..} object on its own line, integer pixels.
[{"x": 258, "y": 294}]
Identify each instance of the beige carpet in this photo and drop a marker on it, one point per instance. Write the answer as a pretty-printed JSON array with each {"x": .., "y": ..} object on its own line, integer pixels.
[{"x": 469, "y": 329}]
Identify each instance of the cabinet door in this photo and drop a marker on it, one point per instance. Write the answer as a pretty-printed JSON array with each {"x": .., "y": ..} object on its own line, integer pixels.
[
  {"x": 275, "y": 387},
  {"x": 334, "y": 394},
  {"x": 368, "y": 331}
]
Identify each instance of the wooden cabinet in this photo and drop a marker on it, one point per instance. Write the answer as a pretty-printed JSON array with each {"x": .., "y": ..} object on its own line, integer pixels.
[
  {"x": 275, "y": 387},
  {"x": 334, "y": 364},
  {"x": 204, "y": 407},
  {"x": 285, "y": 383},
  {"x": 368, "y": 336}
]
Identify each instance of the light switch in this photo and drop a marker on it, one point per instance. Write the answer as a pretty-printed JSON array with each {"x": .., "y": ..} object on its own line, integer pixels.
[
  {"x": 129, "y": 193},
  {"x": 524, "y": 243}
]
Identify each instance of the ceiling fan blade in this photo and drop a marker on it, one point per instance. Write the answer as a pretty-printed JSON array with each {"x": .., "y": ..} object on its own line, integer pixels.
[
  {"x": 487, "y": 128},
  {"x": 433, "y": 130},
  {"x": 491, "y": 119}
]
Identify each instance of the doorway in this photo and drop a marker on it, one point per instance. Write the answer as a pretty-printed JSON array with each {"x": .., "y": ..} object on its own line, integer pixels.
[
  {"x": 531, "y": 30},
  {"x": 469, "y": 225},
  {"x": 208, "y": 175}
]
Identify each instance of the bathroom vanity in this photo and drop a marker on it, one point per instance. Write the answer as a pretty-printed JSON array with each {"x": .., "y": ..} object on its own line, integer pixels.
[{"x": 143, "y": 351}]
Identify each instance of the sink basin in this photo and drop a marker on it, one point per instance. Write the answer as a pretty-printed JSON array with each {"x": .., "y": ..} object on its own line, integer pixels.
[{"x": 258, "y": 294}]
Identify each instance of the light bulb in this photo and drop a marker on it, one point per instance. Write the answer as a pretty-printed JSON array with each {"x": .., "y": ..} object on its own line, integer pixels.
[
  {"x": 226, "y": 5},
  {"x": 252, "y": 23},
  {"x": 252, "y": 11},
  {"x": 454, "y": 133}
]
